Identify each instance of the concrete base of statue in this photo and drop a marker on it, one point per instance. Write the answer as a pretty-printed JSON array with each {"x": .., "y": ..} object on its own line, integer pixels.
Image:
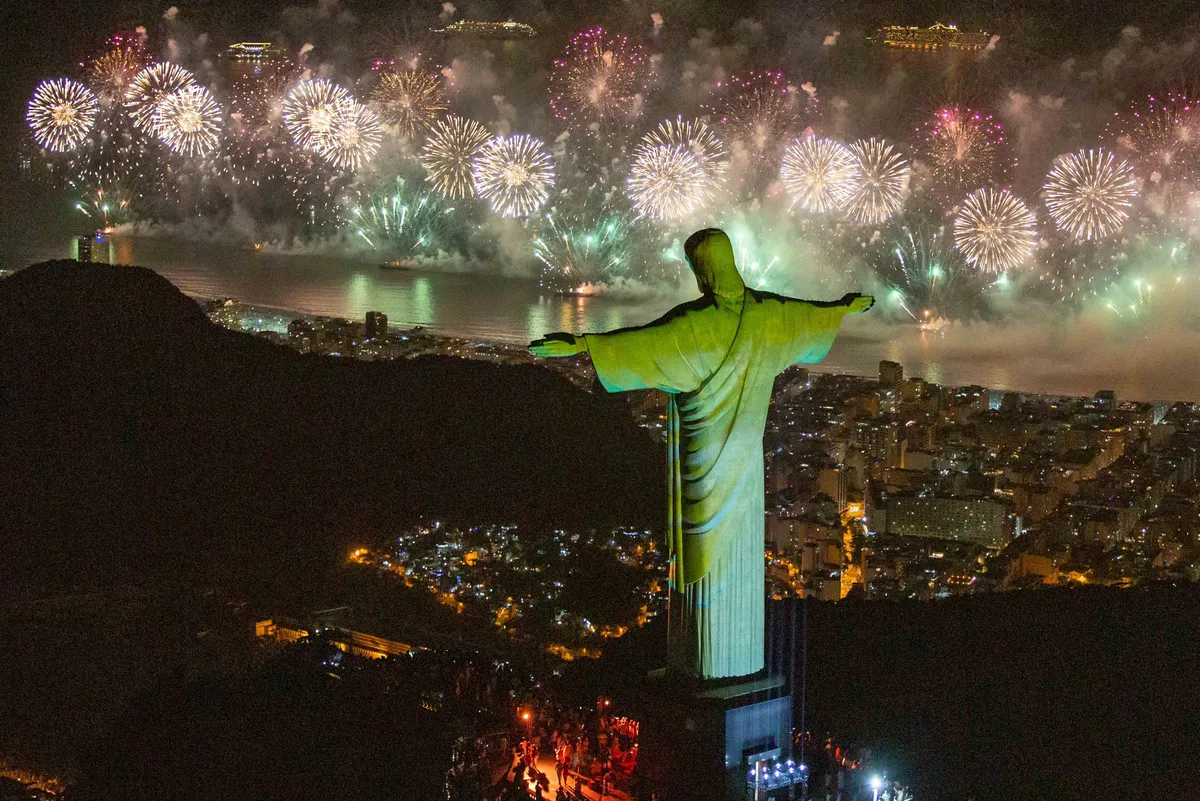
[{"x": 699, "y": 742}]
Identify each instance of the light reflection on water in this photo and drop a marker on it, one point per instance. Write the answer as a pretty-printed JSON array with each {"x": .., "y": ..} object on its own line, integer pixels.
[{"x": 1066, "y": 358}]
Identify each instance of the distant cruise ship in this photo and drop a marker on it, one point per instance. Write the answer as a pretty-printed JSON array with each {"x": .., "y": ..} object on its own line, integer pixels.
[
  {"x": 935, "y": 37},
  {"x": 489, "y": 30},
  {"x": 254, "y": 52}
]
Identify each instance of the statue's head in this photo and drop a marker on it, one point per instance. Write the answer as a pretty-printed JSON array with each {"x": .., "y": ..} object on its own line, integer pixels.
[{"x": 710, "y": 254}]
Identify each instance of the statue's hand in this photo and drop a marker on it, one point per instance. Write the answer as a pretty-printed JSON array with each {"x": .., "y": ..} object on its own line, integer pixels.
[
  {"x": 554, "y": 346},
  {"x": 857, "y": 304}
]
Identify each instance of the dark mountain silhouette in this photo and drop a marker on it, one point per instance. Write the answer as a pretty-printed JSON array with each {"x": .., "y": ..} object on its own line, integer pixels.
[
  {"x": 142, "y": 441},
  {"x": 285, "y": 732}
]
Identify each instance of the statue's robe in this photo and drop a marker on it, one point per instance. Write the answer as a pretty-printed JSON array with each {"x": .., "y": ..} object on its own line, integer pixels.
[{"x": 717, "y": 358}]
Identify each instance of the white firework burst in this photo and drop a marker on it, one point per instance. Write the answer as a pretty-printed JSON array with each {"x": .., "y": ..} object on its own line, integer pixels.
[
  {"x": 1089, "y": 193},
  {"x": 150, "y": 87},
  {"x": 449, "y": 154},
  {"x": 354, "y": 138},
  {"x": 513, "y": 174},
  {"x": 818, "y": 173},
  {"x": 189, "y": 121},
  {"x": 311, "y": 110},
  {"x": 61, "y": 113},
  {"x": 879, "y": 182},
  {"x": 995, "y": 230},
  {"x": 697, "y": 139},
  {"x": 666, "y": 182}
]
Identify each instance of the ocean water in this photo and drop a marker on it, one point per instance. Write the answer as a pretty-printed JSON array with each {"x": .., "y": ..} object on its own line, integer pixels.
[{"x": 1157, "y": 359}]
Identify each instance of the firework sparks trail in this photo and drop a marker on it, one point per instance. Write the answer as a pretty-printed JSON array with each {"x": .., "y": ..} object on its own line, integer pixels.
[
  {"x": 149, "y": 88},
  {"x": 817, "y": 173},
  {"x": 584, "y": 246},
  {"x": 879, "y": 182},
  {"x": 750, "y": 262},
  {"x": 513, "y": 174},
  {"x": 449, "y": 153},
  {"x": 189, "y": 121},
  {"x": 61, "y": 113},
  {"x": 599, "y": 77},
  {"x": 409, "y": 101},
  {"x": 924, "y": 275},
  {"x": 404, "y": 221},
  {"x": 311, "y": 111},
  {"x": 995, "y": 230},
  {"x": 1089, "y": 193},
  {"x": 110, "y": 207},
  {"x": 1074, "y": 271}
]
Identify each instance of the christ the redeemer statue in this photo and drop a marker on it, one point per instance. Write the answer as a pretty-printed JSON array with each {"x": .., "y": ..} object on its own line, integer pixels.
[{"x": 716, "y": 357}]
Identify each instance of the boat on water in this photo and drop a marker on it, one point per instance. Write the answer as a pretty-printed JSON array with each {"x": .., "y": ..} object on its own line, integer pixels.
[{"x": 399, "y": 264}]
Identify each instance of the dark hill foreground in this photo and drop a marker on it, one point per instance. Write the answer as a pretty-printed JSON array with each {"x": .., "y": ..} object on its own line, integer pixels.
[{"x": 142, "y": 441}]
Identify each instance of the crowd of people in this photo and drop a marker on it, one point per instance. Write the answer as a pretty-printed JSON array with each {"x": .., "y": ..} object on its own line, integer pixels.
[{"x": 594, "y": 755}]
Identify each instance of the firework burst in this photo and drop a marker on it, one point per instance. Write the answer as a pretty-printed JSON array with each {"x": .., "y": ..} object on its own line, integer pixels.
[
  {"x": 1089, "y": 193},
  {"x": 354, "y": 138},
  {"x": 1077, "y": 271},
  {"x": 1157, "y": 267},
  {"x": 401, "y": 221},
  {"x": 513, "y": 174},
  {"x": 924, "y": 276},
  {"x": 965, "y": 149},
  {"x": 666, "y": 182},
  {"x": 61, "y": 114},
  {"x": 149, "y": 88},
  {"x": 409, "y": 101},
  {"x": 108, "y": 207},
  {"x": 698, "y": 139},
  {"x": 189, "y": 121},
  {"x": 878, "y": 183},
  {"x": 449, "y": 153},
  {"x": 817, "y": 173},
  {"x": 994, "y": 230},
  {"x": 599, "y": 77},
  {"x": 590, "y": 244},
  {"x": 311, "y": 111},
  {"x": 112, "y": 73},
  {"x": 1161, "y": 136},
  {"x": 115, "y": 154},
  {"x": 761, "y": 113}
]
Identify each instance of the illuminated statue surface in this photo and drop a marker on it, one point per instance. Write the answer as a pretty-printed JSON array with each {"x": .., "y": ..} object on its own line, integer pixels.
[{"x": 716, "y": 357}]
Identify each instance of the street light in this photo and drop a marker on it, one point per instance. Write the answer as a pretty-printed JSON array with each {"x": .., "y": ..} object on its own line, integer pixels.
[{"x": 876, "y": 786}]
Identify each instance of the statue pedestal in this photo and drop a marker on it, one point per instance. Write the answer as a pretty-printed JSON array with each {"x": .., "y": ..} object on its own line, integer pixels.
[{"x": 697, "y": 743}]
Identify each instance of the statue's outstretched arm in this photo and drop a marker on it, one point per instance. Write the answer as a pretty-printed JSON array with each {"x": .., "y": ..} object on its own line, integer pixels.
[
  {"x": 558, "y": 345},
  {"x": 658, "y": 355},
  {"x": 810, "y": 326},
  {"x": 857, "y": 304}
]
